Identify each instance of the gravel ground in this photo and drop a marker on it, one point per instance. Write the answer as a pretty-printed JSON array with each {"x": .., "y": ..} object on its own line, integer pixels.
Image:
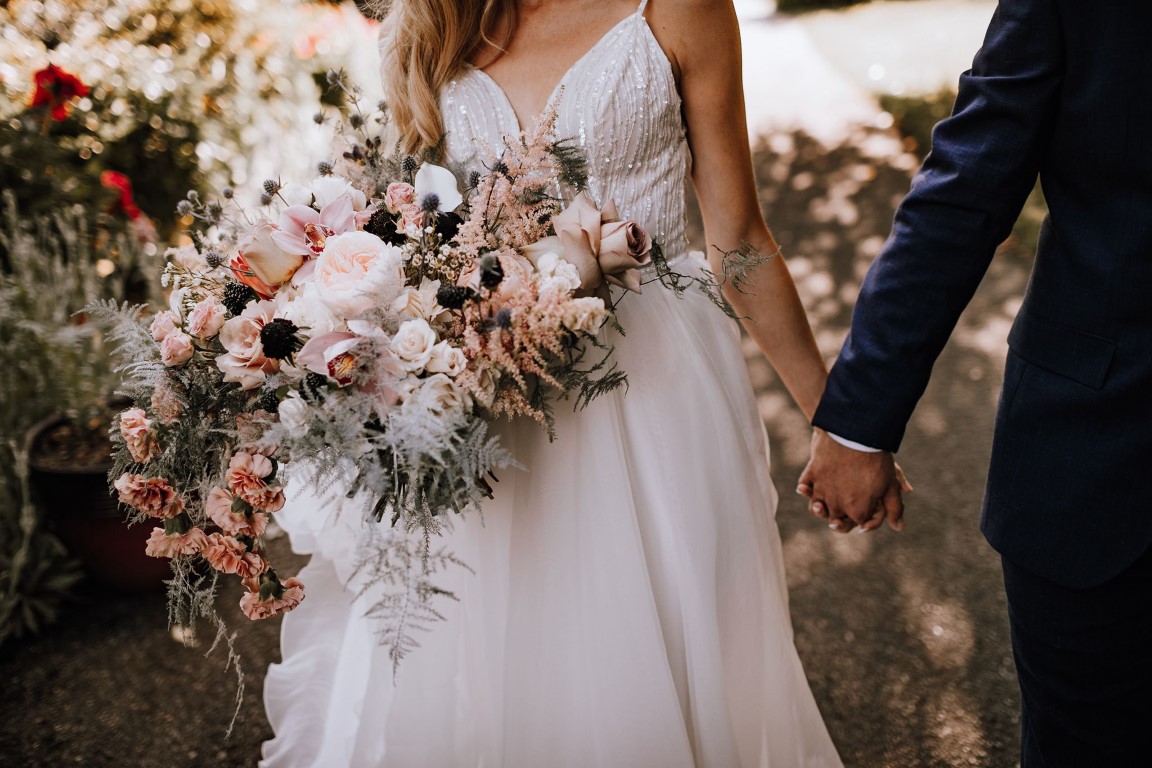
[{"x": 904, "y": 637}]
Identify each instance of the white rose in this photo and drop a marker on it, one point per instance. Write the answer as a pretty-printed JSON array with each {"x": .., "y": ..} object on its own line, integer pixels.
[
  {"x": 546, "y": 263},
  {"x": 584, "y": 315},
  {"x": 413, "y": 344},
  {"x": 206, "y": 318},
  {"x": 328, "y": 188},
  {"x": 440, "y": 396},
  {"x": 488, "y": 379},
  {"x": 418, "y": 302},
  {"x": 358, "y": 271},
  {"x": 447, "y": 359},
  {"x": 294, "y": 414}
]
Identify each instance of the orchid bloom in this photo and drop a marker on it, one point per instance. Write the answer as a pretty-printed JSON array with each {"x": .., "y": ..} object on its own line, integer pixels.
[{"x": 302, "y": 231}]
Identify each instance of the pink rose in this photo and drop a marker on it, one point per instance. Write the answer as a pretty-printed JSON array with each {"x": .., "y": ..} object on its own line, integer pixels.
[
  {"x": 282, "y": 598},
  {"x": 161, "y": 544},
  {"x": 601, "y": 246},
  {"x": 207, "y": 317},
  {"x": 219, "y": 510},
  {"x": 246, "y": 479},
  {"x": 245, "y": 362},
  {"x": 136, "y": 429},
  {"x": 411, "y": 217},
  {"x": 271, "y": 264},
  {"x": 176, "y": 349},
  {"x": 228, "y": 555},
  {"x": 163, "y": 324},
  {"x": 150, "y": 495},
  {"x": 397, "y": 195},
  {"x": 166, "y": 402}
]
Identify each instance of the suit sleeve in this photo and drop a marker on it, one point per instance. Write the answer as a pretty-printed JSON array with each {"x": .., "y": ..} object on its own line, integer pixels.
[{"x": 984, "y": 162}]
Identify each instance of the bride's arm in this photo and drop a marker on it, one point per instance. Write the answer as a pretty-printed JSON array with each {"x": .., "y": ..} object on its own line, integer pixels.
[{"x": 702, "y": 39}]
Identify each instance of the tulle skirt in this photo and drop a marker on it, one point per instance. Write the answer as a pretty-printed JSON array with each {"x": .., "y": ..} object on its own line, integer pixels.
[{"x": 626, "y": 603}]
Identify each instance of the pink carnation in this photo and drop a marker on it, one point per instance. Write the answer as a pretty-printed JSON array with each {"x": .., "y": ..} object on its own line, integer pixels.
[
  {"x": 219, "y": 510},
  {"x": 166, "y": 403},
  {"x": 228, "y": 555},
  {"x": 246, "y": 473},
  {"x": 136, "y": 429},
  {"x": 161, "y": 544},
  {"x": 150, "y": 495},
  {"x": 291, "y": 595}
]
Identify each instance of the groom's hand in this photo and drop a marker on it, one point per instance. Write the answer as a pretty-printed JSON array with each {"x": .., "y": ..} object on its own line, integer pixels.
[{"x": 849, "y": 487}]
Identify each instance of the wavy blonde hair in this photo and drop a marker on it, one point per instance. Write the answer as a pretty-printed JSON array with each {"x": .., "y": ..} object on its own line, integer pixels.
[{"x": 423, "y": 45}]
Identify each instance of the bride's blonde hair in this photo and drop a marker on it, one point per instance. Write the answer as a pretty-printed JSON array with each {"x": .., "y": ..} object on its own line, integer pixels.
[{"x": 423, "y": 45}]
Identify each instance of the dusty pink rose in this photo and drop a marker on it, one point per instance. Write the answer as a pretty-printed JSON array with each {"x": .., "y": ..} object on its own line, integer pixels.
[
  {"x": 161, "y": 544},
  {"x": 265, "y": 257},
  {"x": 219, "y": 510},
  {"x": 163, "y": 324},
  {"x": 411, "y": 217},
  {"x": 136, "y": 429},
  {"x": 246, "y": 479},
  {"x": 244, "y": 362},
  {"x": 291, "y": 594},
  {"x": 206, "y": 318},
  {"x": 166, "y": 403},
  {"x": 398, "y": 194},
  {"x": 176, "y": 349},
  {"x": 227, "y": 555},
  {"x": 150, "y": 495}
]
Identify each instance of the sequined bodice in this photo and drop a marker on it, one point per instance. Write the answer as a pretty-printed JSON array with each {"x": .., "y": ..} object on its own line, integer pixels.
[{"x": 620, "y": 104}]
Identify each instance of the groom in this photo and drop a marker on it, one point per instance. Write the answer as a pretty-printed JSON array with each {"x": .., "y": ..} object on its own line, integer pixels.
[{"x": 1062, "y": 89}]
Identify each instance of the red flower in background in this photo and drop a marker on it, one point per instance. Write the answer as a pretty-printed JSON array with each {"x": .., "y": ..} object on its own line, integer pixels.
[
  {"x": 55, "y": 89},
  {"x": 121, "y": 184}
]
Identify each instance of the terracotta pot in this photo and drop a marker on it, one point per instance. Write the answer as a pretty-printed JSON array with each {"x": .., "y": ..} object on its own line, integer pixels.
[{"x": 79, "y": 508}]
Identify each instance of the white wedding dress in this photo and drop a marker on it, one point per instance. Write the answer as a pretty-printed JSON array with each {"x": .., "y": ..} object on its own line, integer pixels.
[{"x": 628, "y": 607}]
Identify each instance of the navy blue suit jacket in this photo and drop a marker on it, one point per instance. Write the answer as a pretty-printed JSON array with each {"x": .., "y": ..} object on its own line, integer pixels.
[{"x": 1061, "y": 89}]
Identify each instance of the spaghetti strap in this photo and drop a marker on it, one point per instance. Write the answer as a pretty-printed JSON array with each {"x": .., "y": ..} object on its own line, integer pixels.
[{"x": 643, "y": 5}]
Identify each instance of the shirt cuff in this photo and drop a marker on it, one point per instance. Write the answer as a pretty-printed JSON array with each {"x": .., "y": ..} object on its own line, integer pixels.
[{"x": 854, "y": 446}]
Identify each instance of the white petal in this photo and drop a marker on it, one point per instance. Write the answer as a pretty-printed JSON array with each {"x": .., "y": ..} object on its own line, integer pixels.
[{"x": 432, "y": 179}]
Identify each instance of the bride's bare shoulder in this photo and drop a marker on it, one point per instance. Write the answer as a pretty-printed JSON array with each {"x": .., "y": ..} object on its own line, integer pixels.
[{"x": 688, "y": 30}]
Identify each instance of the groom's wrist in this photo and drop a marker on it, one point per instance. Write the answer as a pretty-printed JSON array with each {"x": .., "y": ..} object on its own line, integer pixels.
[{"x": 853, "y": 444}]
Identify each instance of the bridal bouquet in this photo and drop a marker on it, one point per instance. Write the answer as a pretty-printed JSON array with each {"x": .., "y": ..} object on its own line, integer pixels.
[{"x": 368, "y": 326}]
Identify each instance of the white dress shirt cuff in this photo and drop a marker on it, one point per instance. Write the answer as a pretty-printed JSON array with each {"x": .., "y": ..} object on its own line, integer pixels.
[{"x": 852, "y": 445}]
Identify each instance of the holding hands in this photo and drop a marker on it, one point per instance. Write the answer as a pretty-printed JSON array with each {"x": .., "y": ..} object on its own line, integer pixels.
[{"x": 853, "y": 489}]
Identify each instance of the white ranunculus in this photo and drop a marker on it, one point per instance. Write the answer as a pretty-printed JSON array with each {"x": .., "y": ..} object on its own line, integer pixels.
[
  {"x": 413, "y": 344},
  {"x": 440, "y": 396},
  {"x": 358, "y": 271},
  {"x": 296, "y": 194},
  {"x": 294, "y": 414},
  {"x": 434, "y": 180},
  {"x": 328, "y": 188},
  {"x": 584, "y": 315},
  {"x": 446, "y": 359}
]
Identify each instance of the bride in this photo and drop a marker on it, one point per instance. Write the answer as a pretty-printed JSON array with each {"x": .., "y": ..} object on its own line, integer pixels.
[{"x": 626, "y": 604}]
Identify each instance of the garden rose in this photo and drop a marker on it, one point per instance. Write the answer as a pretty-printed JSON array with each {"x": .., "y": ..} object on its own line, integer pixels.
[
  {"x": 418, "y": 302},
  {"x": 413, "y": 344},
  {"x": 584, "y": 315},
  {"x": 227, "y": 555},
  {"x": 294, "y": 414},
  {"x": 136, "y": 429},
  {"x": 176, "y": 349},
  {"x": 446, "y": 359},
  {"x": 245, "y": 362},
  {"x": 358, "y": 271},
  {"x": 163, "y": 324},
  {"x": 440, "y": 396},
  {"x": 161, "y": 544},
  {"x": 149, "y": 495},
  {"x": 218, "y": 507},
  {"x": 270, "y": 264},
  {"x": 207, "y": 317},
  {"x": 398, "y": 194}
]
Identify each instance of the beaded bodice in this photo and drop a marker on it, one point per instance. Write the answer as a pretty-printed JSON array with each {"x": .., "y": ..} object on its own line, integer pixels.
[{"x": 620, "y": 104}]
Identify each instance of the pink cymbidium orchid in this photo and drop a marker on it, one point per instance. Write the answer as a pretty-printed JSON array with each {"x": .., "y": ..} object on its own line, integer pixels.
[{"x": 303, "y": 231}]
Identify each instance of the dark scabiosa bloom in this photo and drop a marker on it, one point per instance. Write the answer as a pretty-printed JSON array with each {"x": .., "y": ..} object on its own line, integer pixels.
[
  {"x": 236, "y": 297},
  {"x": 383, "y": 225},
  {"x": 279, "y": 339},
  {"x": 454, "y": 296},
  {"x": 491, "y": 273}
]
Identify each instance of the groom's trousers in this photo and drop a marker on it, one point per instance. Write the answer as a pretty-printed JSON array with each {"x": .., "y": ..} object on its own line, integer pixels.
[{"x": 1084, "y": 659}]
